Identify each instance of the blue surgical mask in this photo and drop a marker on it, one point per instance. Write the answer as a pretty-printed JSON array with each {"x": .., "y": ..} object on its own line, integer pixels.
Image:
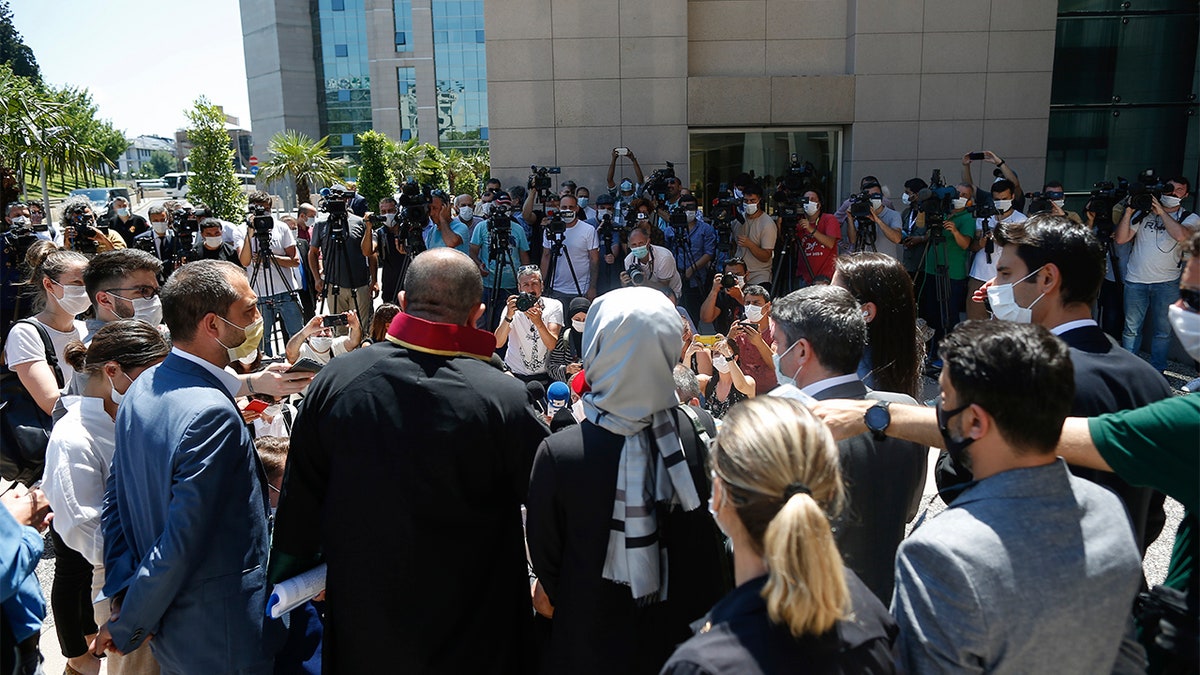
[
  {"x": 583, "y": 202},
  {"x": 779, "y": 376},
  {"x": 640, "y": 252},
  {"x": 626, "y": 187}
]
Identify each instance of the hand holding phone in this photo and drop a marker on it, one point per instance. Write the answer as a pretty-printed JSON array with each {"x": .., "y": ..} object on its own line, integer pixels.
[
  {"x": 335, "y": 320},
  {"x": 305, "y": 365},
  {"x": 977, "y": 156}
]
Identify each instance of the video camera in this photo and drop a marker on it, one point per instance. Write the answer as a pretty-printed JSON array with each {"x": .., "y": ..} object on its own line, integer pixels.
[
  {"x": 725, "y": 209},
  {"x": 800, "y": 176},
  {"x": 1040, "y": 202},
  {"x": 608, "y": 228},
  {"x": 263, "y": 223},
  {"x": 656, "y": 183},
  {"x": 540, "y": 180},
  {"x": 1143, "y": 192},
  {"x": 414, "y": 202},
  {"x": 1105, "y": 195},
  {"x": 333, "y": 202},
  {"x": 185, "y": 221},
  {"x": 936, "y": 201}
]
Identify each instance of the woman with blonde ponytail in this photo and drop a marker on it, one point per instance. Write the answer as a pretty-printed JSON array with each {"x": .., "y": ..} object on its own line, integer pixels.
[{"x": 797, "y": 608}]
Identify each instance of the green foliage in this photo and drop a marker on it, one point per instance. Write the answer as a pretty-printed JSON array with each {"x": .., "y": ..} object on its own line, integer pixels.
[
  {"x": 375, "y": 177},
  {"x": 161, "y": 163},
  {"x": 211, "y": 159},
  {"x": 304, "y": 160},
  {"x": 13, "y": 50}
]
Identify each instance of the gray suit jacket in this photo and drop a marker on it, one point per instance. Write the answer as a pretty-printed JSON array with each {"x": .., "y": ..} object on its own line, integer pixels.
[
  {"x": 884, "y": 481},
  {"x": 1028, "y": 571}
]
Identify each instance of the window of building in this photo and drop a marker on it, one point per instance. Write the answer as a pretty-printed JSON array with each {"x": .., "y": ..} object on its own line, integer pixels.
[
  {"x": 718, "y": 157},
  {"x": 338, "y": 5},
  {"x": 460, "y": 73},
  {"x": 404, "y": 24},
  {"x": 341, "y": 50},
  {"x": 406, "y": 85}
]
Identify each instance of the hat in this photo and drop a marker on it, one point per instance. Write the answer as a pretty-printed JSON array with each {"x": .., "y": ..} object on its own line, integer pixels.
[
  {"x": 579, "y": 384},
  {"x": 579, "y": 304},
  {"x": 501, "y": 197},
  {"x": 605, "y": 200}
]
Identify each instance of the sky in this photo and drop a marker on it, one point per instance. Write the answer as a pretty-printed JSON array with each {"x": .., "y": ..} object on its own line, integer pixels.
[{"x": 133, "y": 56}]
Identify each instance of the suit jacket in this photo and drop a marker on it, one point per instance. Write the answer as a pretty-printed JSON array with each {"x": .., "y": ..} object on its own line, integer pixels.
[
  {"x": 185, "y": 526},
  {"x": 884, "y": 481},
  {"x": 171, "y": 247},
  {"x": 999, "y": 581},
  {"x": 1107, "y": 379}
]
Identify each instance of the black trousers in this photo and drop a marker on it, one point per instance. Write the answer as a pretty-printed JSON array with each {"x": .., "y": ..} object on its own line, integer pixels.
[
  {"x": 71, "y": 598},
  {"x": 931, "y": 307}
]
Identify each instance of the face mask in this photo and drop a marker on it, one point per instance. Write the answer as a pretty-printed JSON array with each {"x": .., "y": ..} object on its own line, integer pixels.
[
  {"x": 1187, "y": 329},
  {"x": 737, "y": 194},
  {"x": 721, "y": 364},
  {"x": 583, "y": 202},
  {"x": 779, "y": 376},
  {"x": 956, "y": 447},
  {"x": 320, "y": 343},
  {"x": 905, "y": 198},
  {"x": 1058, "y": 202},
  {"x": 691, "y": 216},
  {"x": 640, "y": 252},
  {"x": 960, "y": 203},
  {"x": 577, "y": 326},
  {"x": 249, "y": 345},
  {"x": 1169, "y": 201},
  {"x": 751, "y": 209},
  {"x": 148, "y": 310},
  {"x": 754, "y": 313},
  {"x": 811, "y": 208},
  {"x": 714, "y": 506},
  {"x": 159, "y": 227},
  {"x": 1003, "y": 205},
  {"x": 485, "y": 209},
  {"x": 272, "y": 410},
  {"x": 389, "y": 218},
  {"x": 20, "y": 221},
  {"x": 1004, "y": 305},
  {"x": 567, "y": 216},
  {"x": 74, "y": 300},
  {"x": 124, "y": 213},
  {"x": 876, "y": 204},
  {"x": 626, "y": 186},
  {"x": 115, "y": 396},
  {"x": 212, "y": 242},
  {"x": 466, "y": 213}
]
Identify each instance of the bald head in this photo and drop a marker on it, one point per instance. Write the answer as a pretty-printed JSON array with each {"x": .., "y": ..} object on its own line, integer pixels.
[{"x": 443, "y": 285}]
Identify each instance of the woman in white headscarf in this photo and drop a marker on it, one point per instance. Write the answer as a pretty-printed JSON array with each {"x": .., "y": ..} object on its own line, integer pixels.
[{"x": 616, "y": 533}]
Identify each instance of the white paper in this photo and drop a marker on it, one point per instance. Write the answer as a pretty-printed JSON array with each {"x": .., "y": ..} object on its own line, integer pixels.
[{"x": 291, "y": 593}]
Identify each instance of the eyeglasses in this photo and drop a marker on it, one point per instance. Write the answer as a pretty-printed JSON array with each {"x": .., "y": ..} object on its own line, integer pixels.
[
  {"x": 1191, "y": 298},
  {"x": 138, "y": 291}
]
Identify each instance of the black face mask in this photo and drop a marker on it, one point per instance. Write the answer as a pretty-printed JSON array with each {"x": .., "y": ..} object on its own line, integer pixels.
[{"x": 957, "y": 448}]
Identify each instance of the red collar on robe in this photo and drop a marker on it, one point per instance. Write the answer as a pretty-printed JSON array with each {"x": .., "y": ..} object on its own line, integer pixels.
[{"x": 443, "y": 339}]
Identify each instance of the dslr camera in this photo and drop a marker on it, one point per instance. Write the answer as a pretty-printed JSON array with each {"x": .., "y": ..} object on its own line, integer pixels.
[
  {"x": 526, "y": 301},
  {"x": 636, "y": 276}
]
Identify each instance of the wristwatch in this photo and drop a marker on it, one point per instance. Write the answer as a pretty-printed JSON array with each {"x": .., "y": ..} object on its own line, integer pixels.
[{"x": 878, "y": 418}]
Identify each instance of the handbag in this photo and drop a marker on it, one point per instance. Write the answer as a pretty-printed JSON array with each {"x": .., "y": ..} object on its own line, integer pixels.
[{"x": 24, "y": 426}]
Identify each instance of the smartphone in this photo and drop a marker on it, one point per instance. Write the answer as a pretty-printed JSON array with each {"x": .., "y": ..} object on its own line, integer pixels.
[
  {"x": 624, "y": 152},
  {"x": 305, "y": 365},
  {"x": 977, "y": 155},
  {"x": 256, "y": 405},
  {"x": 708, "y": 340},
  {"x": 335, "y": 320}
]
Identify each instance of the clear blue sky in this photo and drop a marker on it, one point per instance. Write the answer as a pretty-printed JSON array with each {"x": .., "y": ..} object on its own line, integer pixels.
[{"x": 144, "y": 62}]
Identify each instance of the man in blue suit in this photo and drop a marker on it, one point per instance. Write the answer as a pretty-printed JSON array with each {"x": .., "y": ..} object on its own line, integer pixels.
[{"x": 185, "y": 510}]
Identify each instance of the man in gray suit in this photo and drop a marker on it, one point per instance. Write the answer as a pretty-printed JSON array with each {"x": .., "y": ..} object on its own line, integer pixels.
[
  {"x": 820, "y": 334},
  {"x": 1024, "y": 572}
]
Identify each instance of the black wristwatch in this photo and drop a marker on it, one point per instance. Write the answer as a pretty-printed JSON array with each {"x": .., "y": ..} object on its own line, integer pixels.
[{"x": 878, "y": 418}]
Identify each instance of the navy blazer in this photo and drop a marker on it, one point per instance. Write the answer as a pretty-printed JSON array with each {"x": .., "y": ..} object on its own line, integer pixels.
[{"x": 185, "y": 526}]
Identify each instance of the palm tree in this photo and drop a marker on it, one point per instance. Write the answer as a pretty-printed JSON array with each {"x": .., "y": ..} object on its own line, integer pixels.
[{"x": 304, "y": 160}]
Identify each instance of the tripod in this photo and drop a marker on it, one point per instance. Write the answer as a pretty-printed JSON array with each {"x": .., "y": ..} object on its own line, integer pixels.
[
  {"x": 500, "y": 254},
  {"x": 865, "y": 233},
  {"x": 941, "y": 275},
  {"x": 337, "y": 260},
  {"x": 784, "y": 281},
  {"x": 556, "y": 249},
  {"x": 265, "y": 264}
]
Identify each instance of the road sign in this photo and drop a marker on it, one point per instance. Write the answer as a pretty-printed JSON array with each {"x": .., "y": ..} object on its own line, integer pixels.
[
  {"x": 254, "y": 170},
  {"x": 253, "y": 161}
]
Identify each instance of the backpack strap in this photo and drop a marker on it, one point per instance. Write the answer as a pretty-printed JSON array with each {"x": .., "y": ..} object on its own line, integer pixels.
[
  {"x": 287, "y": 418},
  {"x": 698, "y": 426},
  {"x": 51, "y": 357}
]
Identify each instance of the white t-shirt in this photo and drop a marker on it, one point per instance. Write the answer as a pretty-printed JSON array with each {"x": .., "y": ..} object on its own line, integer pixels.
[
  {"x": 25, "y": 345},
  {"x": 337, "y": 348},
  {"x": 664, "y": 268},
  {"x": 762, "y": 231},
  {"x": 527, "y": 353},
  {"x": 577, "y": 242},
  {"x": 1155, "y": 255},
  {"x": 981, "y": 269},
  {"x": 78, "y": 458},
  {"x": 281, "y": 239}
]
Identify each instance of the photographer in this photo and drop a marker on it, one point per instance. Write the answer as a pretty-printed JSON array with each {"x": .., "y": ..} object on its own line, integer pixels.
[
  {"x": 884, "y": 220},
  {"x": 625, "y": 192},
  {"x": 983, "y": 267},
  {"x": 843, "y": 210},
  {"x": 651, "y": 266},
  {"x": 518, "y": 251},
  {"x": 724, "y": 302},
  {"x": 1002, "y": 171},
  {"x": 1155, "y": 263},
  {"x": 913, "y": 230},
  {"x": 316, "y": 340},
  {"x": 530, "y": 327},
  {"x": 1054, "y": 192},
  {"x": 577, "y": 267},
  {"x": 1110, "y": 305},
  {"x": 946, "y": 258},
  {"x": 19, "y": 215},
  {"x": 81, "y": 231},
  {"x": 465, "y": 213},
  {"x": 210, "y": 245},
  {"x": 756, "y": 238},
  {"x": 384, "y": 245},
  {"x": 268, "y": 253},
  {"x": 161, "y": 242},
  {"x": 818, "y": 232},
  {"x": 335, "y": 256},
  {"x": 694, "y": 250}
]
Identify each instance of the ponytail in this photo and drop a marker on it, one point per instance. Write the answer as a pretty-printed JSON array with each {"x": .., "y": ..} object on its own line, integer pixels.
[{"x": 806, "y": 585}]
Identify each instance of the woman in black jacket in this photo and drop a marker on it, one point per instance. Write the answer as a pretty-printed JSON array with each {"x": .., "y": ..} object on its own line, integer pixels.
[{"x": 797, "y": 608}]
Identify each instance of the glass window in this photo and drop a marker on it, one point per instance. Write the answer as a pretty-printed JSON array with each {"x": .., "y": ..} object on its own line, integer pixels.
[
  {"x": 347, "y": 139},
  {"x": 401, "y": 41},
  {"x": 340, "y": 50},
  {"x": 338, "y": 5},
  {"x": 718, "y": 157}
]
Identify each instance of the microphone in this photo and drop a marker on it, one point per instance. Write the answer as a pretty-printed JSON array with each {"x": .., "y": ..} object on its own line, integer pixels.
[
  {"x": 536, "y": 392},
  {"x": 924, "y": 194}
]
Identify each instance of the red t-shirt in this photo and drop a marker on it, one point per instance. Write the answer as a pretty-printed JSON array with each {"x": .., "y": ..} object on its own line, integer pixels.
[{"x": 820, "y": 258}]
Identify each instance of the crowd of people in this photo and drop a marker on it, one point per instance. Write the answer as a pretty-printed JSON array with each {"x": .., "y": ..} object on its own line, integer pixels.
[{"x": 501, "y": 459}]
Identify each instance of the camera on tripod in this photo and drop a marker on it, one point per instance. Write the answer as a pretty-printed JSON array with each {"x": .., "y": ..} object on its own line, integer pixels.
[
  {"x": 1105, "y": 195},
  {"x": 333, "y": 203},
  {"x": 725, "y": 210},
  {"x": 540, "y": 180},
  {"x": 262, "y": 222},
  {"x": 936, "y": 202},
  {"x": 656, "y": 183},
  {"x": 608, "y": 229}
]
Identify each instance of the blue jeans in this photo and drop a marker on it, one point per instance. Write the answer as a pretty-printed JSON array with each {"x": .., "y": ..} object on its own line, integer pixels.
[
  {"x": 1152, "y": 299},
  {"x": 285, "y": 307}
]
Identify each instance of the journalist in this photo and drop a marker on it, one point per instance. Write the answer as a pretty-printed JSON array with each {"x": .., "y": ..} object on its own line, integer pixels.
[
  {"x": 341, "y": 272},
  {"x": 268, "y": 253},
  {"x": 530, "y": 327}
]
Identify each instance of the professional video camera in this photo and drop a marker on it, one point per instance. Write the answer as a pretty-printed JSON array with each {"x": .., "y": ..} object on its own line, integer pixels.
[
  {"x": 414, "y": 201},
  {"x": 333, "y": 203},
  {"x": 936, "y": 201},
  {"x": 263, "y": 223},
  {"x": 800, "y": 177},
  {"x": 609, "y": 229},
  {"x": 656, "y": 183},
  {"x": 540, "y": 180},
  {"x": 1038, "y": 202},
  {"x": 1105, "y": 195},
  {"x": 15, "y": 242},
  {"x": 725, "y": 210},
  {"x": 860, "y": 210},
  {"x": 81, "y": 233},
  {"x": 1147, "y": 186},
  {"x": 377, "y": 220},
  {"x": 499, "y": 230},
  {"x": 185, "y": 221}
]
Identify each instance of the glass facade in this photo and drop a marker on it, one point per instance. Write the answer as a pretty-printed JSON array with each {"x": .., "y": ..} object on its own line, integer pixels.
[
  {"x": 460, "y": 74},
  {"x": 406, "y": 80},
  {"x": 1124, "y": 93},
  {"x": 404, "y": 25},
  {"x": 720, "y": 156},
  {"x": 342, "y": 66}
]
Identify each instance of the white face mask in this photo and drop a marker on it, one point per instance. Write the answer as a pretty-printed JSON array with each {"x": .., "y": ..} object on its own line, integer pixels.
[
  {"x": 124, "y": 213},
  {"x": 754, "y": 313},
  {"x": 906, "y": 199},
  {"x": 779, "y": 376},
  {"x": 148, "y": 310},
  {"x": 811, "y": 208},
  {"x": 389, "y": 218},
  {"x": 1187, "y": 328},
  {"x": 1003, "y": 205},
  {"x": 1058, "y": 202},
  {"x": 272, "y": 411},
  {"x": 115, "y": 396},
  {"x": 1170, "y": 201},
  {"x": 212, "y": 242},
  {"x": 320, "y": 343},
  {"x": 691, "y": 216},
  {"x": 751, "y": 209},
  {"x": 1004, "y": 305},
  {"x": 721, "y": 363},
  {"x": 20, "y": 221},
  {"x": 74, "y": 300},
  {"x": 577, "y": 326},
  {"x": 466, "y": 213},
  {"x": 160, "y": 227},
  {"x": 567, "y": 215},
  {"x": 876, "y": 203},
  {"x": 959, "y": 203}
]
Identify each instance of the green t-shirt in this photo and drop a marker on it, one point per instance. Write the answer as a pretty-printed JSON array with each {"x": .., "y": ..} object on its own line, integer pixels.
[
  {"x": 1158, "y": 446},
  {"x": 957, "y": 259}
]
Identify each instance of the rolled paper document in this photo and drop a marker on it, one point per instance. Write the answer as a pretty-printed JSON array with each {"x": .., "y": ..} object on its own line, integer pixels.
[{"x": 291, "y": 593}]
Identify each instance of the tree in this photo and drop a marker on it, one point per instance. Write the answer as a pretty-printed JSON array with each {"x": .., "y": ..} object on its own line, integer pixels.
[
  {"x": 13, "y": 49},
  {"x": 211, "y": 161},
  {"x": 375, "y": 178},
  {"x": 160, "y": 163},
  {"x": 304, "y": 160}
]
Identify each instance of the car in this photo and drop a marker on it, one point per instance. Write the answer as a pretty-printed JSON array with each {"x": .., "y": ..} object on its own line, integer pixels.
[{"x": 101, "y": 198}]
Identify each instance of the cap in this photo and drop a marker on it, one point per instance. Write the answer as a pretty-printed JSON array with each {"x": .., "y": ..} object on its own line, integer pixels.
[
  {"x": 501, "y": 197},
  {"x": 579, "y": 384},
  {"x": 605, "y": 200}
]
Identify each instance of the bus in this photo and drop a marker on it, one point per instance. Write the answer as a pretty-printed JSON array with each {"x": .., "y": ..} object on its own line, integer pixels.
[{"x": 176, "y": 184}]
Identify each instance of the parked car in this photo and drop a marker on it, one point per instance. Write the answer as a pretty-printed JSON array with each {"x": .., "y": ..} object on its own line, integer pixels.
[{"x": 101, "y": 198}]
